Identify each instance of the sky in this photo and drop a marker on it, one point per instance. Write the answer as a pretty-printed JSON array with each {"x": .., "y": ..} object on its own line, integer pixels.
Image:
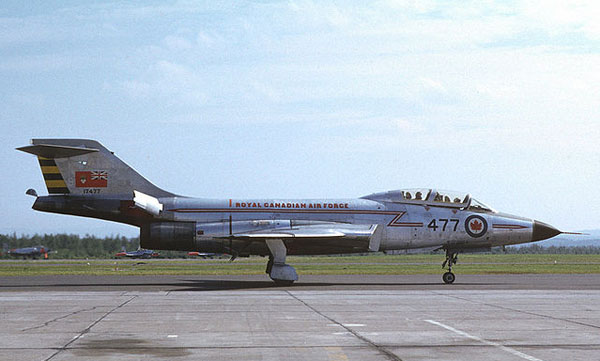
[{"x": 310, "y": 99}]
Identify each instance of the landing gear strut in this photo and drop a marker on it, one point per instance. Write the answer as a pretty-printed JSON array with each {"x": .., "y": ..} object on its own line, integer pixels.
[
  {"x": 451, "y": 258},
  {"x": 269, "y": 265},
  {"x": 281, "y": 273}
]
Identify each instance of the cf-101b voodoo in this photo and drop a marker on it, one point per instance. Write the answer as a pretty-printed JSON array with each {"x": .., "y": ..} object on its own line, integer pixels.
[{"x": 85, "y": 179}]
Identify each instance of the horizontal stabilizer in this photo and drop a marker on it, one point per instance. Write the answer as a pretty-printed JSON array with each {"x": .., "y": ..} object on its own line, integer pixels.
[{"x": 55, "y": 151}]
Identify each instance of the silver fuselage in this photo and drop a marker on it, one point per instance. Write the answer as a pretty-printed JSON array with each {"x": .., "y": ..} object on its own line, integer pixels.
[{"x": 372, "y": 225}]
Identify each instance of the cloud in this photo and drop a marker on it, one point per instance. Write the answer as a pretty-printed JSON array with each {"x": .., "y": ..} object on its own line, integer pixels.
[
  {"x": 319, "y": 14},
  {"x": 204, "y": 39},
  {"x": 557, "y": 16},
  {"x": 169, "y": 82},
  {"x": 176, "y": 43},
  {"x": 429, "y": 58},
  {"x": 135, "y": 88},
  {"x": 42, "y": 62}
]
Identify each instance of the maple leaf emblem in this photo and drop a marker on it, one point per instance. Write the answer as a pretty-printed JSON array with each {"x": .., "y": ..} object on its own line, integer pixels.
[{"x": 476, "y": 226}]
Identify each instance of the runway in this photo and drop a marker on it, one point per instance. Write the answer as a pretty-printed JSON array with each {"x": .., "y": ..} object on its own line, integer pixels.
[
  {"x": 169, "y": 283},
  {"x": 491, "y": 317}
]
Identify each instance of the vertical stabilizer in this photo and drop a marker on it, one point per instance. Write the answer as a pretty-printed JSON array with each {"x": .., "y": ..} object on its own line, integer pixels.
[{"x": 86, "y": 167}]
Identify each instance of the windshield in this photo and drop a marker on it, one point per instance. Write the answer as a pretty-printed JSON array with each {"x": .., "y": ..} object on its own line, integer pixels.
[
  {"x": 479, "y": 206},
  {"x": 433, "y": 197},
  {"x": 450, "y": 197}
]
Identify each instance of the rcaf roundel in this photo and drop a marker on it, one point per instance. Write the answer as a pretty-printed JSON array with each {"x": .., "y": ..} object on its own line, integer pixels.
[{"x": 476, "y": 226}]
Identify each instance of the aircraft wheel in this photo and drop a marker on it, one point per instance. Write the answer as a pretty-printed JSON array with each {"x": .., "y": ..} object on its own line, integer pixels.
[
  {"x": 448, "y": 277},
  {"x": 283, "y": 283}
]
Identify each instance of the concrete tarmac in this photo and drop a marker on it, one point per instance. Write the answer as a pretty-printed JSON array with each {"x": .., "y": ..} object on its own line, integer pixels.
[
  {"x": 305, "y": 283},
  {"x": 482, "y": 317}
]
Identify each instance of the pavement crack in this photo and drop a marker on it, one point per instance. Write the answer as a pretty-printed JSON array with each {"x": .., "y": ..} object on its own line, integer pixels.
[
  {"x": 389, "y": 355},
  {"x": 57, "y": 319},
  {"x": 87, "y": 329}
]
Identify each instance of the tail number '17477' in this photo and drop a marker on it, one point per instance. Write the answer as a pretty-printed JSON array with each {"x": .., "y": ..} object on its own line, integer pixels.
[{"x": 443, "y": 223}]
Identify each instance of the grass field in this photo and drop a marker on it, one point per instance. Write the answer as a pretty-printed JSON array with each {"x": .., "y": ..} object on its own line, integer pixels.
[{"x": 372, "y": 264}]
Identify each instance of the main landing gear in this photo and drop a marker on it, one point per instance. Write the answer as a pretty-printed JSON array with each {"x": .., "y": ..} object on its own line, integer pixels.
[
  {"x": 451, "y": 258},
  {"x": 281, "y": 273}
]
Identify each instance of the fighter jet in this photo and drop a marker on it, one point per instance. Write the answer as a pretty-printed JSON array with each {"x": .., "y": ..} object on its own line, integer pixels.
[
  {"x": 139, "y": 253},
  {"x": 86, "y": 179},
  {"x": 29, "y": 252},
  {"x": 203, "y": 255}
]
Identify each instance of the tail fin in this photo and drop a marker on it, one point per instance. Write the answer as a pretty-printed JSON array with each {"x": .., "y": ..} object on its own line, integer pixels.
[
  {"x": 84, "y": 166},
  {"x": 52, "y": 176}
]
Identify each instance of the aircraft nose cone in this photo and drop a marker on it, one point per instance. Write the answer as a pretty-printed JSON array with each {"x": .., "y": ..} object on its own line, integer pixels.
[{"x": 543, "y": 231}]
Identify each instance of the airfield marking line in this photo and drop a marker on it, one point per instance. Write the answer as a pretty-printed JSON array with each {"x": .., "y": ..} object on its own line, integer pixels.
[
  {"x": 521, "y": 311},
  {"x": 484, "y": 341},
  {"x": 390, "y": 355},
  {"x": 82, "y": 333}
]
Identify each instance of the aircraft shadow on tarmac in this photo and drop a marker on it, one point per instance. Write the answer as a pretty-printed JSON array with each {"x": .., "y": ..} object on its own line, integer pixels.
[
  {"x": 216, "y": 285},
  {"x": 222, "y": 285}
]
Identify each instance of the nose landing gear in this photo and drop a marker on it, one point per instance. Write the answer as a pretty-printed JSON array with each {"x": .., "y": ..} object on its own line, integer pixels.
[
  {"x": 448, "y": 277},
  {"x": 451, "y": 259}
]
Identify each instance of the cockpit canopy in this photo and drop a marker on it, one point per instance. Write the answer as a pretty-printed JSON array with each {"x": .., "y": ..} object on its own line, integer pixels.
[{"x": 431, "y": 197}]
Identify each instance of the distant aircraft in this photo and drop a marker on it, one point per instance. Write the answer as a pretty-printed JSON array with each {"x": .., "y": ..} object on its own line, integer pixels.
[
  {"x": 203, "y": 254},
  {"x": 86, "y": 179},
  {"x": 140, "y": 253},
  {"x": 30, "y": 252}
]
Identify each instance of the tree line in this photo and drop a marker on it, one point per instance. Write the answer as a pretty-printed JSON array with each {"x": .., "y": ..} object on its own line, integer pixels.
[
  {"x": 537, "y": 249},
  {"x": 71, "y": 245}
]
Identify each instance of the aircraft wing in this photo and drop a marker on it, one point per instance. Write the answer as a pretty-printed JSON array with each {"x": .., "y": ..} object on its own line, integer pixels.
[
  {"x": 292, "y": 233},
  {"x": 364, "y": 236},
  {"x": 322, "y": 230}
]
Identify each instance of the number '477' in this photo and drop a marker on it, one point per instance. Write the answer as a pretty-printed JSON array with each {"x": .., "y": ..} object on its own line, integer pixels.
[{"x": 434, "y": 224}]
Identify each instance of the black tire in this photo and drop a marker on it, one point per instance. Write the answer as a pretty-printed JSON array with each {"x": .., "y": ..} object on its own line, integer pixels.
[{"x": 448, "y": 278}]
